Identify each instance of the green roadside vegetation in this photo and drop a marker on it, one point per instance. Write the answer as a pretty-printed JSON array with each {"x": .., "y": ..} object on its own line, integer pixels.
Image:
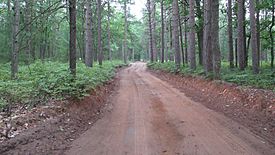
[
  {"x": 41, "y": 81},
  {"x": 264, "y": 80}
]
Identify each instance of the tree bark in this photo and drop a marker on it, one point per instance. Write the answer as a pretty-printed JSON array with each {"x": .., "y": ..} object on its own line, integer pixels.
[
  {"x": 171, "y": 53},
  {"x": 150, "y": 30},
  {"x": 82, "y": 47},
  {"x": 207, "y": 37},
  {"x": 254, "y": 47},
  {"x": 162, "y": 31},
  {"x": 72, "y": 10},
  {"x": 109, "y": 33},
  {"x": 176, "y": 34},
  {"x": 215, "y": 39},
  {"x": 185, "y": 34},
  {"x": 191, "y": 36},
  {"x": 15, "y": 40},
  {"x": 166, "y": 34},
  {"x": 244, "y": 40},
  {"x": 248, "y": 42},
  {"x": 240, "y": 33},
  {"x": 258, "y": 28},
  {"x": 181, "y": 43},
  {"x": 99, "y": 43},
  {"x": 181, "y": 40},
  {"x": 230, "y": 34},
  {"x": 153, "y": 13},
  {"x": 88, "y": 34},
  {"x": 200, "y": 31},
  {"x": 236, "y": 52}
]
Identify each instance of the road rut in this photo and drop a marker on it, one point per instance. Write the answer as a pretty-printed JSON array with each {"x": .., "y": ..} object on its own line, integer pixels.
[{"x": 150, "y": 117}]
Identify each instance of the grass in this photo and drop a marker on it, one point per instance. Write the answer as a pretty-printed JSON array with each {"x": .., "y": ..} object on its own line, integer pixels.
[
  {"x": 264, "y": 80},
  {"x": 40, "y": 82}
]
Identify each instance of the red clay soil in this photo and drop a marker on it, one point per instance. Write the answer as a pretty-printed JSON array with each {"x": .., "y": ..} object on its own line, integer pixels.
[
  {"x": 153, "y": 113},
  {"x": 151, "y": 117},
  {"x": 254, "y": 108},
  {"x": 51, "y": 129}
]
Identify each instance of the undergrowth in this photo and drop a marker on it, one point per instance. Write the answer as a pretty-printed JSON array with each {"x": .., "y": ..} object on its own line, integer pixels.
[
  {"x": 264, "y": 80},
  {"x": 40, "y": 82}
]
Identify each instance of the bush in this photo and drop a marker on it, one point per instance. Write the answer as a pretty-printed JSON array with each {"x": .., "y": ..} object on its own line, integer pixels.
[
  {"x": 51, "y": 80},
  {"x": 265, "y": 80}
]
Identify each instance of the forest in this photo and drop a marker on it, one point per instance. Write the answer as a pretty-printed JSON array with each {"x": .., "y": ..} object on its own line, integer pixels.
[
  {"x": 220, "y": 52},
  {"x": 228, "y": 40},
  {"x": 39, "y": 30}
]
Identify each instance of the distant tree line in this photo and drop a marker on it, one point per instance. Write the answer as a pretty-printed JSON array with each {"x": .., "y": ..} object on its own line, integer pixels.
[{"x": 191, "y": 31}]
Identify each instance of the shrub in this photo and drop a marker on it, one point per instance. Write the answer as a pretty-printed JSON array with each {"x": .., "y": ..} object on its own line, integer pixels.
[
  {"x": 265, "y": 80},
  {"x": 51, "y": 80}
]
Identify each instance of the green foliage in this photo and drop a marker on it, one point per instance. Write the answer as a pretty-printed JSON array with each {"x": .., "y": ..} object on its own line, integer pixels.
[
  {"x": 265, "y": 80},
  {"x": 51, "y": 80},
  {"x": 3, "y": 103},
  {"x": 168, "y": 66}
]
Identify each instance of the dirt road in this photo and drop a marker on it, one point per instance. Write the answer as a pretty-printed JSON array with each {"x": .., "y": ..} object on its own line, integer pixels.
[{"x": 150, "y": 117}]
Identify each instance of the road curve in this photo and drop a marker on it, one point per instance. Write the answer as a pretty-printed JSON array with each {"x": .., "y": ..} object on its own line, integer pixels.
[{"x": 150, "y": 117}]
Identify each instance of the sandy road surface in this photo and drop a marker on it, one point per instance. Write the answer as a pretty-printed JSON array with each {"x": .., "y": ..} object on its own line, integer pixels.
[{"x": 150, "y": 117}]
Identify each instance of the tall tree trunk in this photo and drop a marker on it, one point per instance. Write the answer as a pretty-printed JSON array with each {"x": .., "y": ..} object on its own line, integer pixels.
[
  {"x": 258, "y": 28},
  {"x": 125, "y": 57},
  {"x": 248, "y": 42},
  {"x": 241, "y": 48},
  {"x": 271, "y": 35},
  {"x": 236, "y": 52},
  {"x": 181, "y": 40},
  {"x": 207, "y": 37},
  {"x": 95, "y": 33},
  {"x": 171, "y": 53},
  {"x": 230, "y": 34},
  {"x": 244, "y": 40},
  {"x": 200, "y": 30},
  {"x": 153, "y": 13},
  {"x": 181, "y": 43},
  {"x": 99, "y": 43},
  {"x": 109, "y": 32},
  {"x": 254, "y": 47},
  {"x": 88, "y": 34},
  {"x": 72, "y": 10},
  {"x": 166, "y": 34},
  {"x": 162, "y": 31},
  {"x": 150, "y": 30},
  {"x": 185, "y": 33},
  {"x": 15, "y": 40},
  {"x": 176, "y": 34},
  {"x": 82, "y": 47},
  {"x": 191, "y": 36},
  {"x": 215, "y": 39},
  {"x": 200, "y": 46}
]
